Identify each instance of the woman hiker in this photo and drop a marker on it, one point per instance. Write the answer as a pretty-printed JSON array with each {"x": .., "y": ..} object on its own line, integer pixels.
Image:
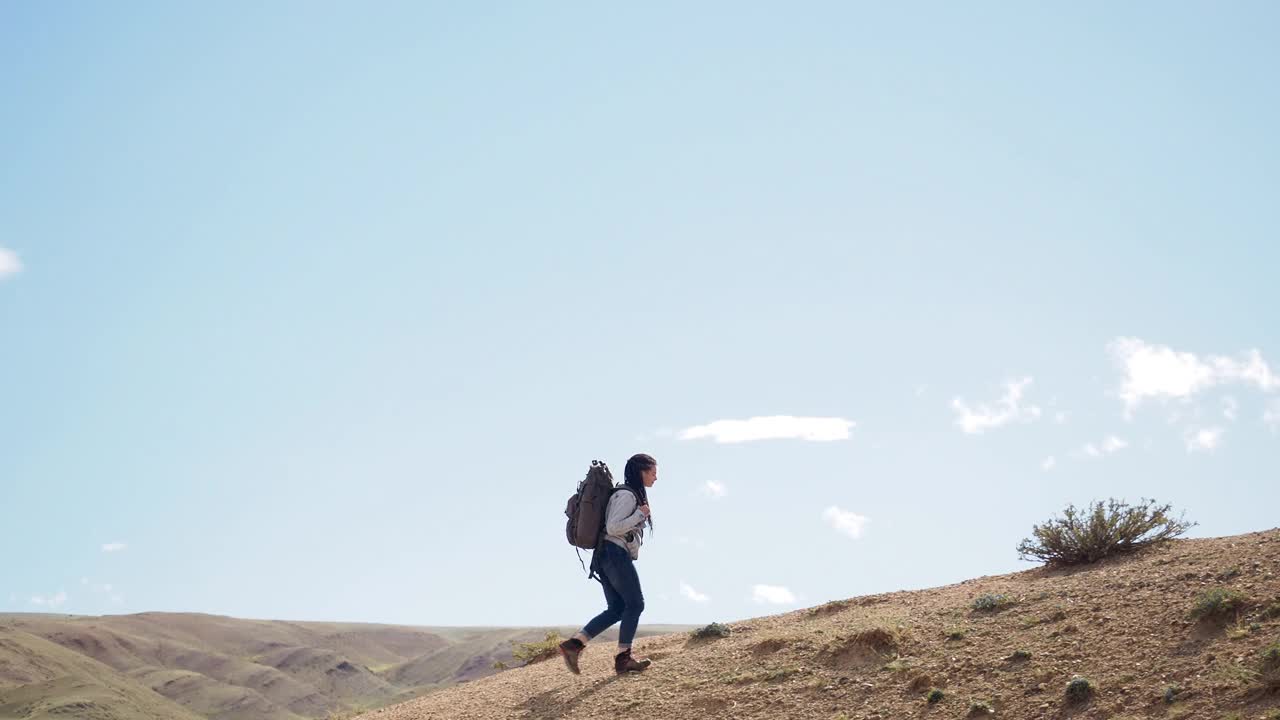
[{"x": 613, "y": 564}]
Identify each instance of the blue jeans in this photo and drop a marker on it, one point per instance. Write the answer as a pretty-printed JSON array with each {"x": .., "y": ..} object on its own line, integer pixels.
[{"x": 621, "y": 592}]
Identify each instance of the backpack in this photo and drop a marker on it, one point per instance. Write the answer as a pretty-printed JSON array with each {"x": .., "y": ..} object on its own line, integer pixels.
[
  {"x": 586, "y": 507},
  {"x": 586, "y": 512}
]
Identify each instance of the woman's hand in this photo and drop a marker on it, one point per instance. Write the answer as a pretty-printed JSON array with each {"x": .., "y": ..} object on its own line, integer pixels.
[{"x": 644, "y": 509}]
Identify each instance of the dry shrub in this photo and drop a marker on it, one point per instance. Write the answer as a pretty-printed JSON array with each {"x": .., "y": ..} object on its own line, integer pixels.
[
  {"x": 532, "y": 652},
  {"x": 1218, "y": 603},
  {"x": 1088, "y": 535}
]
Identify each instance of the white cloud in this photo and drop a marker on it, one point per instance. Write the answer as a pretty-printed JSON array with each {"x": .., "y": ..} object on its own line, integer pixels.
[
  {"x": 1230, "y": 408},
  {"x": 1059, "y": 417},
  {"x": 1048, "y": 463},
  {"x": 776, "y": 427},
  {"x": 772, "y": 594},
  {"x": 692, "y": 594},
  {"x": 1106, "y": 447},
  {"x": 843, "y": 521},
  {"x": 714, "y": 490},
  {"x": 1162, "y": 373},
  {"x": 1007, "y": 410},
  {"x": 1204, "y": 439},
  {"x": 114, "y": 547},
  {"x": 10, "y": 264}
]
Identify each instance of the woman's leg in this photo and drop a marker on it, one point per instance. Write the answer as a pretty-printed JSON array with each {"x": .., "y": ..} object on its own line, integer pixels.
[
  {"x": 613, "y": 611},
  {"x": 622, "y": 575}
]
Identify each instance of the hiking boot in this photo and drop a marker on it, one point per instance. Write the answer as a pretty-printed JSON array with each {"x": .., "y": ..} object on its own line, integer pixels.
[
  {"x": 623, "y": 663},
  {"x": 569, "y": 650}
]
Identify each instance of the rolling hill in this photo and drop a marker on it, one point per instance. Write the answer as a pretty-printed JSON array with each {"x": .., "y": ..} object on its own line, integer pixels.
[{"x": 185, "y": 666}]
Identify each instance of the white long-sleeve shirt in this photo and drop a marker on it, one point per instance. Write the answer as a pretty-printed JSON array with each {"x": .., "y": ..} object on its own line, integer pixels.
[{"x": 623, "y": 521}]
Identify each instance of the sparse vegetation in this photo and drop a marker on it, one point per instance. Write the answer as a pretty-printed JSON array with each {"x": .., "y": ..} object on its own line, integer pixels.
[
  {"x": 1271, "y": 666},
  {"x": 1218, "y": 603},
  {"x": 1020, "y": 656},
  {"x": 834, "y": 606},
  {"x": 935, "y": 696},
  {"x": 863, "y": 646},
  {"x": 978, "y": 708},
  {"x": 1230, "y": 674},
  {"x": 532, "y": 652},
  {"x": 955, "y": 633},
  {"x": 1228, "y": 574},
  {"x": 900, "y": 664},
  {"x": 714, "y": 630},
  {"x": 499, "y": 665},
  {"x": 1079, "y": 690},
  {"x": 1271, "y": 611},
  {"x": 1271, "y": 656},
  {"x": 991, "y": 602},
  {"x": 1087, "y": 535},
  {"x": 1171, "y": 693}
]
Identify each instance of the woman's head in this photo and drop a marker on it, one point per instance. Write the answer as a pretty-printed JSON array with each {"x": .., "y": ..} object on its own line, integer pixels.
[
  {"x": 641, "y": 470},
  {"x": 640, "y": 473}
]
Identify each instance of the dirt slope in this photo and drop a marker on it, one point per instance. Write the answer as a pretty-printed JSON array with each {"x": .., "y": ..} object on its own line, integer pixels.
[{"x": 1124, "y": 624}]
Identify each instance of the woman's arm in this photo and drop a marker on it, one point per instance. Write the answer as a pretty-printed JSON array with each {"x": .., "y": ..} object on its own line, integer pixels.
[{"x": 623, "y": 514}]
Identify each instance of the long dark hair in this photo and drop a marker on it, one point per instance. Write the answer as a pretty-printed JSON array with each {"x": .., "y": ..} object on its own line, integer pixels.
[{"x": 637, "y": 464}]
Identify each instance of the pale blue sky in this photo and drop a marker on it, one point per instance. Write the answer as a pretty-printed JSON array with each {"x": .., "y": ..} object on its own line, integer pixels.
[{"x": 321, "y": 310}]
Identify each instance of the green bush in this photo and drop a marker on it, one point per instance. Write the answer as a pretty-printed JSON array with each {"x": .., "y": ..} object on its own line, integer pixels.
[
  {"x": 714, "y": 630},
  {"x": 1020, "y": 655},
  {"x": 1088, "y": 535},
  {"x": 1079, "y": 690},
  {"x": 990, "y": 602},
  {"x": 1272, "y": 611},
  {"x": 530, "y": 653},
  {"x": 1271, "y": 656},
  {"x": 935, "y": 696},
  {"x": 1218, "y": 602}
]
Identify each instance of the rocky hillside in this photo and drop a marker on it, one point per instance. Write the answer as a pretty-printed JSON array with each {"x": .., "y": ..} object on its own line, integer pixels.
[
  {"x": 1188, "y": 629},
  {"x": 182, "y": 666}
]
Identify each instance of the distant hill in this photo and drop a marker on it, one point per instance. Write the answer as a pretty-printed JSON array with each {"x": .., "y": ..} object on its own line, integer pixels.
[
  {"x": 1005, "y": 646},
  {"x": 184, "y": 666}
]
